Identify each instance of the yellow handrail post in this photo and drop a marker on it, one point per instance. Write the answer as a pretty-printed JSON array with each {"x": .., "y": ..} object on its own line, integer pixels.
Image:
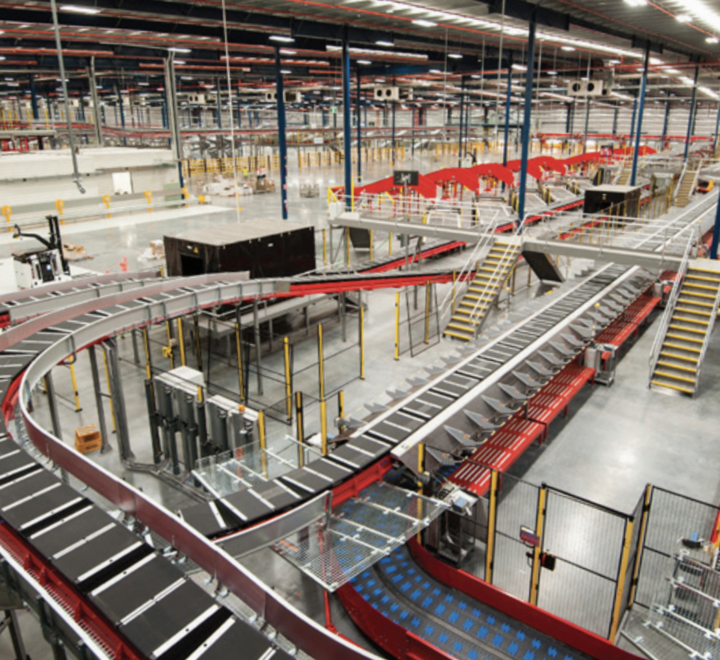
[
  {"x": 537, "y": 551},
  {"x": 362, "y": 342},
  {"x": 323, "y": 426},
  {"x": 622, "y": 576},
  {"x": 341, "y": 410},
  {"x": 238, "y": 348},
  {"x": 324, "y": 239},
  {"x": 397, "y": 326},
  {"x": 427, "y": 312},
  {"x": 288, "y": 380},
  {"x": 181, "y": 341},
  {"x": 263, "y": 441},
  {"x": 7, "y": 212},
  {"x": 107, "y": 380},
  {"x": 641, "y": 541},
  {"x": 71, "y": 362},
  {"x": 60, "y": 206},
  {"x": 167, "y": 350},
  {"x": 148, "y": 197},
  {"x": 492, "y": 517}
]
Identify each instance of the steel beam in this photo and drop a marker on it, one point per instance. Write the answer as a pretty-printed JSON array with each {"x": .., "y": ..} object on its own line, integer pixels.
[{"x": 691, "y": 116}]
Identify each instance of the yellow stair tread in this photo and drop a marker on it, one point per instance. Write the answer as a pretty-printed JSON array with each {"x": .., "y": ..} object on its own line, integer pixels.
[
  {"x": 699, "y": 286},
  {"x": 677, "y": 366},
  {"x": 682, "y": 348},
  {"x": 690, "y": 339},
  {"x": 467, "y": 337},
  {"x": 673, "y": 376},
  {"x": 682, "y": 328},
  {"x": 699, "y": 312},
  {"x": 703, "y": 270},
  {"x": 462, "y": 328},
  {"x": 673, "y": 387},
  {"x": 687, "y": 320},
  {"x": 693, "y": 302},
  {"x": 703, "y": 278},
  {"x": 675, "y": 356}
]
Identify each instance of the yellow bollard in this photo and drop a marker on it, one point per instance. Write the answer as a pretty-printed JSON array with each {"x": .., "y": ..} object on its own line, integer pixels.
[
  {"x": 60, "y": 206},
  {"x": 186, "y": 195},
  {"x": 7, "y": 212},
  {"x": 106, "y": 199},
  {"x": 148, "y": 197}
]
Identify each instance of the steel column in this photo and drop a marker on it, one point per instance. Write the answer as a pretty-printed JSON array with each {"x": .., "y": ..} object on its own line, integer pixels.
[
  {"x": 527, "y": 116},
  {"x": 641, "y": 109},
  {"x": 359, "y": 129},
  {"x": 508, "y": 96},
  {"x": 172, "y": 112},
  {"x": 665, "y": 124},
  {"x": 279, "y": 88},
  {"x": 393, "y": 133},
  {"x": 692, "y": 113},
  {"x": 462, "y": 118},
  {"x": 716, "y": 234},
  {"x": 347, "y": 146},
  {"x": 219, "y": 104},
  {"x": 95, "y": 101},
  {"x": 634, "y": 117},
  {"x": 33, "y": 99},
  {"x": 615, "y": 120},
  {"x": 104, "y": 446},
  {"x": 717, "y": 127}
]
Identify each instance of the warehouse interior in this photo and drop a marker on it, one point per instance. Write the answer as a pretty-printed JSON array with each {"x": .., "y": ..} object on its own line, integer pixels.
[{"x": 359, "y": 329}]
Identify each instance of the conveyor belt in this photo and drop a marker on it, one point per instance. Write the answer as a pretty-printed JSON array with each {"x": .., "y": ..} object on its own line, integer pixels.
[
  {"x": 453, "y": 622},
  {"x": 154, "y": 606}
]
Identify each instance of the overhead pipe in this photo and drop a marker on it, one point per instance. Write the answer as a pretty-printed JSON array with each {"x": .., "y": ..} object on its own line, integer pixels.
[
  {"x": 346, "y": 120},
  {"x": 76, "y": 173}
]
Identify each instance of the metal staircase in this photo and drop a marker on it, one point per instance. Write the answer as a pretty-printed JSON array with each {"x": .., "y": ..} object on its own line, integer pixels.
[
  {"x": 687, "y": 184},
  {"x": 624, "y": 178},
  {"x": 689, "y": 327},
  {"x": 485, "y": 287}
]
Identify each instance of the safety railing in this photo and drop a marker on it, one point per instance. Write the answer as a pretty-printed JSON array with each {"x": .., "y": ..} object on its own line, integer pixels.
[
  {"x": 670, "y": 307},
  {"x": 706, "y": 343},
  {"x": 496, "y": 274},
  {"x": 447, "y": 306}
]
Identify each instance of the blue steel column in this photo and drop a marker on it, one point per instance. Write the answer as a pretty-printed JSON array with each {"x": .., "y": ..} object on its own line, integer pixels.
[
  {"x": 393, "y": 133},
  {"x": 615, "y": 118},
  {"x": 665, "y": 125},
  {"x": 638, "y": 134},
  {"x": 634, "y": 117},
  {"x": 346, "y": 121},
  {"x": 692, "y": 113},
  {"x": 717, "y": 127},
  {"x": 280, "y": 94},
  {"x": 507, "y": 108},
  {"x": 462, "y": 118},
  {"x": 33, "y": 98},
  {"x": 359, "y": 129},
  {"x": 219, "y": 104},
  {"x": 527, "y": 117}
]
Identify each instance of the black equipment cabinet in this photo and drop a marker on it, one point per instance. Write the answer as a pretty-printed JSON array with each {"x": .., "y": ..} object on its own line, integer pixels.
[
  {"x": 601, "y": 198},
  {"x": 265, "y": 248}
]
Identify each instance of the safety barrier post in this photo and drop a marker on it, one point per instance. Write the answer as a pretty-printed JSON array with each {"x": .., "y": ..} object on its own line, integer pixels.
[
  {"x": 238, "y": 348},
  {"x": 71, "y": 363},
  {"x": 622, "y": 576},
  {"x": 341, "y": 410},
  {"x": 60, "y": 207},
  {"x": 167, "y": 350},
  {"x": 371, "y": 245},
  {"x": 397, "y": 326},
  {"x": 390, "y": 244},
  {"x": 299, "y": 417},
  {"x": 186, "y": 195},
  {"x": 181, "y": 341},
  {"x": 323, "y": 426},
  {"x": 263, "y": 441},
  {"x": 288, "y": 380},
  {"x": 7, "y": 212},
  {"x": 106, "y": 200},
  {"x": 537, "y": 551},
  {"x": 641, "y": 541},
  {"x": 107, "y": 380},
  {"x": 492, "y": 518},
  {"x": 362, "y": 341},
  {"x": 148, "y": 197},
  {"x": 454, "y": 282},
  {"x": 324, "y": 239},
  {"x": 146, "y": 344},
  {"x": 347, "y": 245},
  {"x": 427, "y": 312},
  {"x": 421, "y": 470}
]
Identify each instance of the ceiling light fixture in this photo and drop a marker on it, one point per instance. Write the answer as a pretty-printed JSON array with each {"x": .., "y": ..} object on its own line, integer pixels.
[
  {"x": 287, "y": 51},
  {"x": 285, "y": 72},
  {"x": 567, "y": 48},
  {"x": 79, "y": 9},
  {"x": 364, "y": 62},
  {"x": 636, "y": 3},
  {"x": 711, "y": 40},
  {"x": 175, "y": 49},
  {"x": 455, "y": 56},
  {"x": 424, "y": 23},
  {"x": 282, "y": 39},
  {"x": 179, "y": 62},
  {"x": 684, "y": 18},
  {"x": 388, "y": 44}
]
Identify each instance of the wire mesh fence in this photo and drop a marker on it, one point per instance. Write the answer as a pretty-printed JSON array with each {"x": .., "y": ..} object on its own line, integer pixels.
[
  {"x": 671, "y": 517},
  {"x": 587, "y": 543},
  {"x": 419, "y": 320}
]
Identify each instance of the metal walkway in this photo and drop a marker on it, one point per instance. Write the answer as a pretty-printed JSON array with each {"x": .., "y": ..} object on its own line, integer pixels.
[{"x": 448, "y": 619}]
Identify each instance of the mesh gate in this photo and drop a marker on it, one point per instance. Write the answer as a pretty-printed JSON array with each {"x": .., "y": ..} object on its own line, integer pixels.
[{"x": 587, "y": 541}]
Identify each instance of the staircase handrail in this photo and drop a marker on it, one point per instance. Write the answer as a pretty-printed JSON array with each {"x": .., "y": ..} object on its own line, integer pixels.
[
  {"x": 680, "y": 180},
  {"x": 706, "y": 342},
  {"x": 486, "y": 238},
  {"x": 498, "y": 268},
  {"x": 670, "y": 307}
]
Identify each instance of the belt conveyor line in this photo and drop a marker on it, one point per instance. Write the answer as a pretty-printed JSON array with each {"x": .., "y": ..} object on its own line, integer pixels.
[
  {"x": 458, "y": 625},
  {"x": 148, "y": 599},
  {"x": 446, "y": 397}
]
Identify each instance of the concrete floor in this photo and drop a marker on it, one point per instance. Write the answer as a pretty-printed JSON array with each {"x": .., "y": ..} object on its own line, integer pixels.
[{"x": 615, "y": 440}]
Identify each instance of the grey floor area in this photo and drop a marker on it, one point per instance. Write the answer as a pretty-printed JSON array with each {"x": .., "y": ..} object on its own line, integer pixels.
[{"x": 615, "y": 440}]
